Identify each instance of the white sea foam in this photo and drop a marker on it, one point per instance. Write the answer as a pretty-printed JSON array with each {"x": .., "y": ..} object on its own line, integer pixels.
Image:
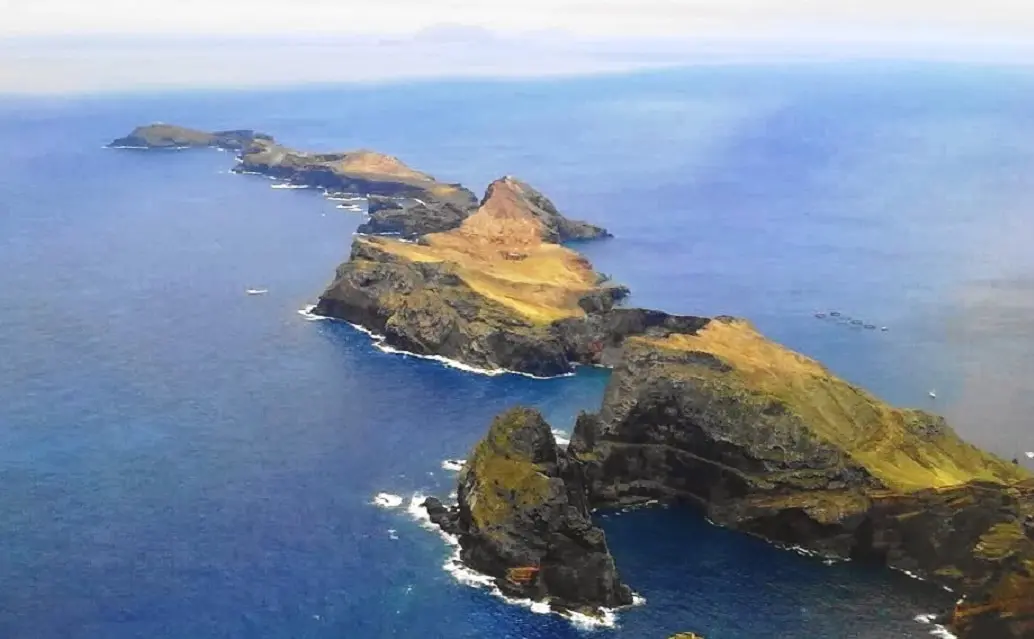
[
  {"x": 913, "y": 575},
  {"x": 288, "y": 185},
  {"x": 453, "y": 465},
  {"x": 387, "y": 500},
  {"x": 363, "y": 329},
  {"x": 470, "y": 577},
  {"x": 378, "y": 343},
  {"x": 451, "y": 363},
  {"x": 350, "y": 207},
  {"x": 937, "y": 630},
  {"x": 561, "y": 437},
  {"x": 393, "y": 534},
  {"x": 258, "y": 173},
  {"x": 308, "y": 314},
  {"x": 416, "y": 510},
  {"x": 151, "y": 148},
  {"x": 344, "y": 198}
]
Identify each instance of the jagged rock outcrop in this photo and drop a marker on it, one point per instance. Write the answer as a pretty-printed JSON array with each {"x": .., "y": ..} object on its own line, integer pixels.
[
  {"x": 510, "y": 192},
  {"x": 522, "y": 518},
  {"x": 168, "y": 136},
  {"x": 768, "y": 442},
  {"x": 403, "y": 202},
  {"x": 498, "y": 292},
  {"x": 700, "y": 411},
  {"x": 429, "y": 308},
  {"x": 360, "y": 172},
  {"x": 411, "y": 218}
]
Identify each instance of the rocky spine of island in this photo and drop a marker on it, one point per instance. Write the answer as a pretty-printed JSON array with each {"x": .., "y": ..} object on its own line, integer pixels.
[{"x": 699, "y": 411}]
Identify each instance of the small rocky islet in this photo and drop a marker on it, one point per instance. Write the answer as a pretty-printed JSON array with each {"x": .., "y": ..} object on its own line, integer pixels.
[{"x": 703, "y": 412}]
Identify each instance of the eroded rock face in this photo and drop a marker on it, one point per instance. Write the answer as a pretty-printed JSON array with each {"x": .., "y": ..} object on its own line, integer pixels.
[
  {"x": 360, "y": 172},
  {"x": 167, "y": 136},
  {"x": 766, "y": 441},
  {"x": 409, "y": 219},
  {"x": 522, "y": 518},
  {"x": 497, "y": 292},
  {"x": 427, "y": 308}
]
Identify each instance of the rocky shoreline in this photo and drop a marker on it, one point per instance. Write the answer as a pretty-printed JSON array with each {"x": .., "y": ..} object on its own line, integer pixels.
[
  {"x": 704, "y": 412},
  {"x": 686, "y": 421}
]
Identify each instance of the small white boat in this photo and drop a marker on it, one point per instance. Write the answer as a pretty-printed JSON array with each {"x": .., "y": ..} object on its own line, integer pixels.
[
  {"x": 257, "y": 291},
  {"x": 933, "y": 394}
]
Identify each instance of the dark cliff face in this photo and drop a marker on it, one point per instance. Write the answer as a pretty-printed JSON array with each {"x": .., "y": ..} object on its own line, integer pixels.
[
  {"x": 167, "y": 136},
  {"x": 522, "y": 518},
  {"x": 409, "y": 219},
  {"x": 426, "y": 308},
  {"x": 356, "y": 172},
  {"x": 690, "y": 426},
  {"x": 663, "y": 436}
]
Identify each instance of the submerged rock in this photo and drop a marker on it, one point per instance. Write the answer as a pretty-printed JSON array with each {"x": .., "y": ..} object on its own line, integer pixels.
[
  {"x": 168, "y": 136},
  {"x": 522, "y": 519}
]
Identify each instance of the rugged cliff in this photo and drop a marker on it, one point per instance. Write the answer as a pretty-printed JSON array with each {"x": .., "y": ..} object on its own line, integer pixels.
[
  {"x": 701, "y": 411},
  {"x": 168, "y": 136},
  {"x": 522, "y": 518},
  {"x": 428, "y": 205},
  {"x": 402, "y": 201},
  {"x": 498, "y": 292},
  {"x": 769, "y": 442}
]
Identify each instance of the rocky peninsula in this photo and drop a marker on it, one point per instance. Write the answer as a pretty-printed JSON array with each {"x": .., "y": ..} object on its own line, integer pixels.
[
  {"x": 401, "y": 202},
  {"x": 703, "y": 412},
  {"x": 169, "y": 136}
]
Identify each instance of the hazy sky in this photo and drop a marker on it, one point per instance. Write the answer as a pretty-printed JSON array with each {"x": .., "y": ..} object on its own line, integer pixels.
[
  {"x": 986, "y": 18},
  {"x": 231, "y": 46}
]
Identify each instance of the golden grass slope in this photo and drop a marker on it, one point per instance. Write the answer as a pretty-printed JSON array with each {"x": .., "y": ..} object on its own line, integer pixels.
[
  {"x": 907, "y": 449},
  {"x": 499, "y": 252},
  {"x": 366, "y": 162}
]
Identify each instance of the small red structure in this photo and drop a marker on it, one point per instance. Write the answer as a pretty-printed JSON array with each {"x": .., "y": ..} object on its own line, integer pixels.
[{"x": 523, "y": 575}]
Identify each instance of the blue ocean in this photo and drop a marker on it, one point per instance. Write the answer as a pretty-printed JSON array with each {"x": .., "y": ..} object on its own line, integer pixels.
[{"x": 181, "y": 460}]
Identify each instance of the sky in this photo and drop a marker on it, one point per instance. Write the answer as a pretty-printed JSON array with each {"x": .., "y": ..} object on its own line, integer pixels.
[
  {"x": 987, "y": 18},
  {"x": 49, "y": 46}
]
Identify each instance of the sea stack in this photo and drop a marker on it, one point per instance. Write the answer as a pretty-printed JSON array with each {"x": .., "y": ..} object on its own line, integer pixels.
[{"x": 522, "y": 519}]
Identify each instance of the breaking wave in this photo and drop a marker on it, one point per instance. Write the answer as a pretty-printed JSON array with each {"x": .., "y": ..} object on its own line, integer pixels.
[
  {"x": 378, "y": 342},
  {"x": 453, "y": 465},
  {"x": 387, "y": 500},
  {"x": 470, "y": 577},
  {"x": 937, "y": 630}
]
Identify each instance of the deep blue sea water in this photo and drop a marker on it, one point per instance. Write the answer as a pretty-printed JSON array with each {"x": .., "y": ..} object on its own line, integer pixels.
[{"x": 181, "y": 460}]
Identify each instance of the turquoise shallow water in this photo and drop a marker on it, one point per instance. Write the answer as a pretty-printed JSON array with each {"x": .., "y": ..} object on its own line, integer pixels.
[{"x": 182, "y": 460}]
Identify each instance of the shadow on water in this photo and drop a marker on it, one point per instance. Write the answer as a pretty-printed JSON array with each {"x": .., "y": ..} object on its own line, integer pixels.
[{"x": 725, "y": 585}]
